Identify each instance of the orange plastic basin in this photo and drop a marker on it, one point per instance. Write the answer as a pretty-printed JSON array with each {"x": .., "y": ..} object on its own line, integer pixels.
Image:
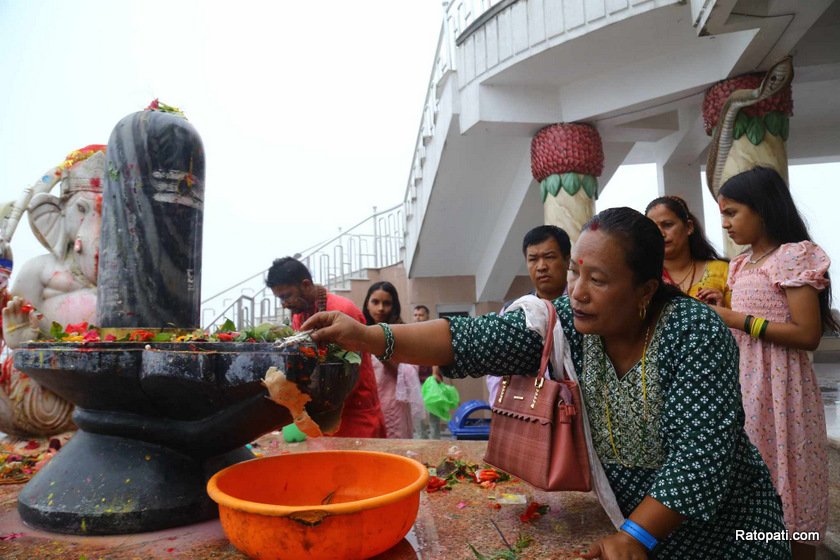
[{"x": 324, "y": 504}]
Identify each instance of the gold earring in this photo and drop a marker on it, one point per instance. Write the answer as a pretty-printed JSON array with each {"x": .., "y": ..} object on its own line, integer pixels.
[{"x": 643, "y": 311}]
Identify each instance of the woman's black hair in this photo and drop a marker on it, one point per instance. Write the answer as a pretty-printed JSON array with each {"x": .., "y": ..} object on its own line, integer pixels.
[
  {"x": 764, "y": 191},
  {"x": 698, "y": 245},
  {"x": 396, "y": 310},
  {"x": 644, "y": 246}
]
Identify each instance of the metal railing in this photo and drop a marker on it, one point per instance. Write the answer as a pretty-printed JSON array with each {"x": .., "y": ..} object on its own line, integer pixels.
[{"x": 376, "y": 242}]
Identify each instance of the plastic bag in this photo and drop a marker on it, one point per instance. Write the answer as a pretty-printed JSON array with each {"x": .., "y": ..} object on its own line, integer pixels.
[{"x": 440, "y": 398}]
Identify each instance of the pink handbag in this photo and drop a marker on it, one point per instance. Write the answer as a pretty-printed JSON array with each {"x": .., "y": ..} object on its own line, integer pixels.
[{"x": 536, "y": 431}]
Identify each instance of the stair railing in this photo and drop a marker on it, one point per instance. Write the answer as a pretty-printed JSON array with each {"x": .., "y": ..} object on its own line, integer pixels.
[{"x": 375, "y": 242}]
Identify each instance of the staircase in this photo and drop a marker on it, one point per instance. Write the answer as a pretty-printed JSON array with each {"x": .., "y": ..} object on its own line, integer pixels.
[{"x": 376, "y": 242}]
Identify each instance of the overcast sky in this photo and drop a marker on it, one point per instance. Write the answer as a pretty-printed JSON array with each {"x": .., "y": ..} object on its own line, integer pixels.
[{"x": 308, "y": 111}]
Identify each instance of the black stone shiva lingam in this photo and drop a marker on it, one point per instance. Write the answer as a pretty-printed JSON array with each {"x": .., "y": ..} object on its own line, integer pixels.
[{"x": 155, "y": 419}]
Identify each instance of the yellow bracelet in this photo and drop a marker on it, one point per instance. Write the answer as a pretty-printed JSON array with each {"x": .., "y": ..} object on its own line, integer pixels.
[
  {"x": 763, "y": 329},
  {"x": 755, "y": 328}
]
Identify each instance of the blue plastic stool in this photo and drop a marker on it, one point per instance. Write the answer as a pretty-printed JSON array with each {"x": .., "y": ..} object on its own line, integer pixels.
[{"x": 463, "y": 427}]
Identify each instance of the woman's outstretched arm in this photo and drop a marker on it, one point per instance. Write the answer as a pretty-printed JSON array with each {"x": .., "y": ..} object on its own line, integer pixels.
[{"x": 426, "y": 343}]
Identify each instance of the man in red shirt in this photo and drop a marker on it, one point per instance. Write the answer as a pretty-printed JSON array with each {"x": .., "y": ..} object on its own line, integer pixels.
[{"x": 290, "y": 280}]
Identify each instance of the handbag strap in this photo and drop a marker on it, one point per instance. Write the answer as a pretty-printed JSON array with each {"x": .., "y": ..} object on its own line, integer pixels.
[{"x": 548, "y": 345}]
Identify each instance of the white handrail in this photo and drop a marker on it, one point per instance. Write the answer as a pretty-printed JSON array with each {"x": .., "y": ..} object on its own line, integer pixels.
[{"x": 375, "y": 242}]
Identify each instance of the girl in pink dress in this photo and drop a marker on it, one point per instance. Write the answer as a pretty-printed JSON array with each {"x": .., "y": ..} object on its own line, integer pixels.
[
  {"x": 398, "y": 384},
  {"x": 780, "y": 306}
]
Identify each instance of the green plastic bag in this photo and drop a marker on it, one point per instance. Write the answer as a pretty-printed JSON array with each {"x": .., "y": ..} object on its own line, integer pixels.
[
  {"x": 292, "y": 434},
  {"x": 439, "y": 398}
]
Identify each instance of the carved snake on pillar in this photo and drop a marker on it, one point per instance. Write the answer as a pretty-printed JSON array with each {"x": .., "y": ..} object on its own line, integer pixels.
[{"x": 777, "y": 78}]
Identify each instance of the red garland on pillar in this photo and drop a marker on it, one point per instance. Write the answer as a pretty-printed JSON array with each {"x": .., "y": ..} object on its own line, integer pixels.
[{"x": 568, "y": 155}]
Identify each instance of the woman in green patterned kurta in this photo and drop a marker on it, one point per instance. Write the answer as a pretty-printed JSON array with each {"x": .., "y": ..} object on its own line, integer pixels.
[{"x": 660, "y": 382}]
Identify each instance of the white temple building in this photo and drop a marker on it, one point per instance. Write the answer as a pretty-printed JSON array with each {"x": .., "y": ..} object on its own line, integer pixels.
[{"x": 637, "y": 70}]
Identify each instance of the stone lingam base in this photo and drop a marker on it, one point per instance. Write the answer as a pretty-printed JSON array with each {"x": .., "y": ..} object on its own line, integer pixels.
[{"x": 155, "y": 421}]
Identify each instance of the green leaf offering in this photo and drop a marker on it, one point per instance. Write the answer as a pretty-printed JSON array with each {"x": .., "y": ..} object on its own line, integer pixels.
[
  {"x": 57, "y": 331},
  {"x": 336, "y": 353}
]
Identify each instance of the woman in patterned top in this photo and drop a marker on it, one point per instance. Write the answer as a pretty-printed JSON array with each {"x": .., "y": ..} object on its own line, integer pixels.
[
  {"x": 691, "y": 263},
  {"x": 659, "y": 374},
  {"x": 780, "y": 306}
]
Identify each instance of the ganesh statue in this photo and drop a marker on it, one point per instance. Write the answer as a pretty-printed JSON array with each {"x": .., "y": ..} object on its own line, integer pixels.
[{"x": 59, "y": 286}]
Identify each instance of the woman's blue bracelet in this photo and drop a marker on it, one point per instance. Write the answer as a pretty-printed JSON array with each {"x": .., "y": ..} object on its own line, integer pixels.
[
  {"x": 389, "y": 343},
  {"x": 640, "y": 534}
]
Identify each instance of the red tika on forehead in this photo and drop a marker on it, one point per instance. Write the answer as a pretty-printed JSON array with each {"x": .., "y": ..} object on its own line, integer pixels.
[
  {"x": 580, "y": 261},
  {"x": 594, "y": 226}
]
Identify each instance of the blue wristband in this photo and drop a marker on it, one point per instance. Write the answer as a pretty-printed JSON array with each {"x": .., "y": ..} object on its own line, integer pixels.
[{"x": 640, "y": 534}]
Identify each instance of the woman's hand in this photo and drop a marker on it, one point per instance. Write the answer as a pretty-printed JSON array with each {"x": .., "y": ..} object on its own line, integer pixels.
[
  {"x": 426, "y": 343},
  {"x": 335, "y": 326},
  {"x": 618, "y": 546},
  {"x": 710, "y": 296}
]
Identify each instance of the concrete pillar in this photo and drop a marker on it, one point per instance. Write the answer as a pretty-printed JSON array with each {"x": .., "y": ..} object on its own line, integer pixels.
[{"x": 682, "y": 180}]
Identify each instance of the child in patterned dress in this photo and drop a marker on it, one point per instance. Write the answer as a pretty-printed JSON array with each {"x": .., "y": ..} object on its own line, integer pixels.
[{"x": 780, "y": 306}]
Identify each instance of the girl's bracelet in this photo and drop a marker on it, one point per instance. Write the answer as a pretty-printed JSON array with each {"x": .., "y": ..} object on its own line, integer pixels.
[
  {"x": 757, "y": 327},
  {"x": 763, "y": 328},
  {"x": 748, "y": 323}
]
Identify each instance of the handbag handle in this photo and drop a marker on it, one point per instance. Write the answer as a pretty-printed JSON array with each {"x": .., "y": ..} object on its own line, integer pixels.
[{"x": 548, "y": 345}]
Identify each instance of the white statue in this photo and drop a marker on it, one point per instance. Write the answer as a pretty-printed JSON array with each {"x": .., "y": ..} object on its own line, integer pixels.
[{"x": 59, "y": 286}]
